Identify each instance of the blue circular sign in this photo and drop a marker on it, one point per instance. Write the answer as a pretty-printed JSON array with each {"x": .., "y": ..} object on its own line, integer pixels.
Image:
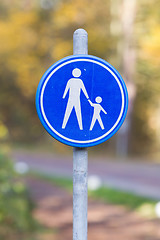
[{"x": 82, "y": 100}]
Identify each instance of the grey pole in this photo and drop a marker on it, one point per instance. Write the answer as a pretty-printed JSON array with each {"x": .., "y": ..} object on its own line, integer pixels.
[{"x": 80, "y": 161}]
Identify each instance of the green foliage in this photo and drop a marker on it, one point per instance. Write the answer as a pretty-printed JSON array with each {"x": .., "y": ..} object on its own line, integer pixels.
[
  {"x": 119, "y": 197},
  {"x": 58, "y": 181},
  {"x": 15, "y": 207},
  {"x": 33, "y": 36},
  {"x": 146, "y": 124}
]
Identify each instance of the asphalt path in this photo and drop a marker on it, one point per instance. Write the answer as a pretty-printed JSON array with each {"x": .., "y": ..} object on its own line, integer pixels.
[{"x": 141, "y": 178}]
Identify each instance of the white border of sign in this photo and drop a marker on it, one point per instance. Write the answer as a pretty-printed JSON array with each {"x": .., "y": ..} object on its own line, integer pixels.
[{"x": 44, "y": 115}]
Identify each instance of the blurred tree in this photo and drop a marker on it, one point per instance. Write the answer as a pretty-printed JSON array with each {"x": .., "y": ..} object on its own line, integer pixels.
[
  {"x": 146, "y": 128},
  {"x": 35, "y": 34},
  {"x": 32, "y": 38},
  {"x": 123, "y": 18}
]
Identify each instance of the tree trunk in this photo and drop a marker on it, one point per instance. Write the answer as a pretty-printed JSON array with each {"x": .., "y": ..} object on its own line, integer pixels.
[{"x": 127, "y": 56}]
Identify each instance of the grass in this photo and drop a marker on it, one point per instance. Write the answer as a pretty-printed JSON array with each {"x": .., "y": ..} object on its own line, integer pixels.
[
  {"x": 119, "y": 197},
  {"x": 65, "y": 183},
  {"x": 143, "y": 205}
]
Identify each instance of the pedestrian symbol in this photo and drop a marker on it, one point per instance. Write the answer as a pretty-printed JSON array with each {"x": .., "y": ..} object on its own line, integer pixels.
[
  {"x": 74, "y": 86},
  {"x": 82, "y": 100},
  {"x": 96, "y": 114}
]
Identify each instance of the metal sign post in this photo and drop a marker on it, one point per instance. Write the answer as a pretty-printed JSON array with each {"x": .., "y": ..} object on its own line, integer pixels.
[
  {"x": 81, "y": 101},
  {"x": 80, "y": 196},
  {"x": 80, "y": 161}
]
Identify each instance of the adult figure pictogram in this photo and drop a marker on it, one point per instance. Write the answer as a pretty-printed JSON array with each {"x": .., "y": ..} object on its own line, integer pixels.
[
  {"x": 74, "y": 86},
  {"x": 96, "y": 114}
]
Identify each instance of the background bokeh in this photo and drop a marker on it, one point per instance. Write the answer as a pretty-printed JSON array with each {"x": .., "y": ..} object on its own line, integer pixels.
[{"x": 35, "y": 34}]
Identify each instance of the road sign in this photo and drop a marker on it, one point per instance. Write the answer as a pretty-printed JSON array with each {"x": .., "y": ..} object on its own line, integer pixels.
[{"x": 82, "y": 100}]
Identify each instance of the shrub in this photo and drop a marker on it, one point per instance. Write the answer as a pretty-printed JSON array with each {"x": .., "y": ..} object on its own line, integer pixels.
[{"x": 15, "y": 207}]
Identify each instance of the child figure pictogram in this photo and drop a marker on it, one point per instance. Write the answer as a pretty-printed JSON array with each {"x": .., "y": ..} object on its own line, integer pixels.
[{"x": 96, "y": 114}]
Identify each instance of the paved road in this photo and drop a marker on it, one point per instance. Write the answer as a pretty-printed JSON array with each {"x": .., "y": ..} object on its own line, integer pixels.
[{"x": 140, "y": 178}]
